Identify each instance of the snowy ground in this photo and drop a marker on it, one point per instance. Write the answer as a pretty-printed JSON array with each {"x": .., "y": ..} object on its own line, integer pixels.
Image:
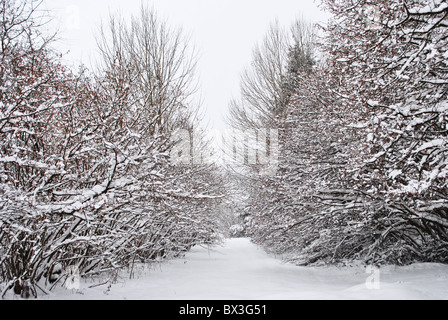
[{"x": 239, "y": 270}]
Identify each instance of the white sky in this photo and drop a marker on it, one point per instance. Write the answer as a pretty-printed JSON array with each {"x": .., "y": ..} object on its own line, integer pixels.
[{"x": 224, "y": 33}]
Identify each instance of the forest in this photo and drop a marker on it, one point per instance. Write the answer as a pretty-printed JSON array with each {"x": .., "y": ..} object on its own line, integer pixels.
[{"x": 340, "y": 154}]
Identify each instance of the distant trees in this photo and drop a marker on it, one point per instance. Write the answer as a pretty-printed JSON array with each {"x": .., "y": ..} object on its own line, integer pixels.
[
  {"x": 362, "y": 133},
  {"x": 86, "y": 176},
  {"x": 273, "y": 201},
  {"x": 36, "y": 91}
]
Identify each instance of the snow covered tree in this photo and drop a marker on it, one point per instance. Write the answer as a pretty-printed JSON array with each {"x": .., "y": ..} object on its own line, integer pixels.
[
  {"x": 154, "y": 65},
  {"x": 389, "y": 58},
  {"x": 362, "y": 133},
  {"x": 306, "y": 136},
  {"x": 35, "y": 88},
  {"x": 86, "y": 176},
  {"x": 314, "y": 139},
  {"x": 369, "y": 157}
]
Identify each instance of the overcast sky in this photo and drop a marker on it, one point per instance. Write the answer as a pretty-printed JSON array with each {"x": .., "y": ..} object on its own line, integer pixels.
[{"x": 224, "y": 33}]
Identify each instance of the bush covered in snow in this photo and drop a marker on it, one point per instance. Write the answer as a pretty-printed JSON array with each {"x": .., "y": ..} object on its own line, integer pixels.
[
  {"x": 86, "y": 179},
  {"x": 362, "y": 119}
]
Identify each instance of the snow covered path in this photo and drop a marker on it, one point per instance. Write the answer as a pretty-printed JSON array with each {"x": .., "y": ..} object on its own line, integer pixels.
[{"x": 239, "y": 270}]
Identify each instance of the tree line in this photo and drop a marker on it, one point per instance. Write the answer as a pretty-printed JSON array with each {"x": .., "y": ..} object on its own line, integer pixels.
[
  {"x": 86, "y": 177},
  {"x": 360, "y": 105}
]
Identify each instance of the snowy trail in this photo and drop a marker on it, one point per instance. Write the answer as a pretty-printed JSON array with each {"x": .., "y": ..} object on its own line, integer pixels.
[{"x": 239, "y": 270}]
